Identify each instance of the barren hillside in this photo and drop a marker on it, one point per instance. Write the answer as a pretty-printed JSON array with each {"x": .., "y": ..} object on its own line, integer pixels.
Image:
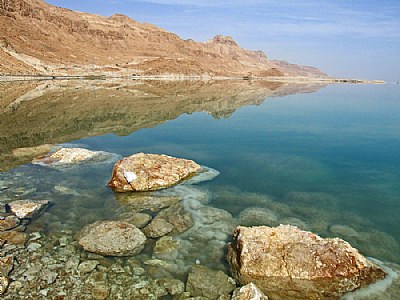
[{"x": 36, "y": 37}]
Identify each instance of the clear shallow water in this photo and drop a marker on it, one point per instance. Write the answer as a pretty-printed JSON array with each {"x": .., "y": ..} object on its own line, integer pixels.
[{"x": 327, "y": 158}]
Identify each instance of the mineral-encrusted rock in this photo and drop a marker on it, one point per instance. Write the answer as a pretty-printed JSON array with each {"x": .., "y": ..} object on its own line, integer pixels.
[
  {"x": 208, "y": 283},
  {"x": 112, "y": 238},
  {"x": 288, "y": 263},
  {"x": 248, "y": 292},
  {"x": 28, "y": 209},
  {"x": 65, "y": 157},
  {"x": 150, "y": 172}
]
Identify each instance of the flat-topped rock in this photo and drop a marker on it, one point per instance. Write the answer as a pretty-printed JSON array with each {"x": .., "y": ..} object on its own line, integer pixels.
[
  {"x": 112, "y": 238},
  {"x": 67, "y": 157},
  {"x": 28, "y": 209},
  {"x": 150, "y": 172},
  {"x": 288, "y": 263}
]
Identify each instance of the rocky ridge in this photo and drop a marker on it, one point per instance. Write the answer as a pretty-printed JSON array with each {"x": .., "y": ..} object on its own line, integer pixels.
[{"x": 37, "y": 38}]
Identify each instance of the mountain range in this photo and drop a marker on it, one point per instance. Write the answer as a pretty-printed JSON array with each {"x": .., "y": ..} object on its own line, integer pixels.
[{"x": 38, "y": 38}]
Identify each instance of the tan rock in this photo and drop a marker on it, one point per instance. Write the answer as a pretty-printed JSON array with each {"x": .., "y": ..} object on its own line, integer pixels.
[
  {"x": 14, "y": 237},
  {"x": 158, "y": 228},
  {"x": 138, "y": 202},
  {"x": 4, "y": 283},
  {"x": 6, "y": 265},
  {"x": 178, "y": 217},
  {"x": 288, "y": 263},
  {"x": 138, "y": 219},
  {"x": 8, "y": 223},
  {"x": 248, "y": 292},
  {"x": 112, "y": 238},
  {"x": 65, "y": 157},
  {"x": 149, "y": 172},
  {"x": 28, "y": 208},
  {"x": 100, "y": 291},
  {"x": 208, "y": 283}
]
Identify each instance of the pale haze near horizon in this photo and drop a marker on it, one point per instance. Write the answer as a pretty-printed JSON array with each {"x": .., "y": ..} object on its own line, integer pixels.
[{"x": 356, "y": 39}]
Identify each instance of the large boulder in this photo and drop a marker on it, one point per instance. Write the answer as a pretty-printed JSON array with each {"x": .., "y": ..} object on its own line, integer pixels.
[
  {"x": 288, "y": 263},
  {"x": 149, "y": 172},
  {"x": 112, "y": 238}
]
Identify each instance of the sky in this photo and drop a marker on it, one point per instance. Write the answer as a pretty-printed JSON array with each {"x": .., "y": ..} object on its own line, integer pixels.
[{"x": 344, "y": 38}]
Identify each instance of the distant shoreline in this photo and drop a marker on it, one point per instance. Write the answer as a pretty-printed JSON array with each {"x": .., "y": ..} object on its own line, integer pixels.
[{"x": 180, "y": 77}]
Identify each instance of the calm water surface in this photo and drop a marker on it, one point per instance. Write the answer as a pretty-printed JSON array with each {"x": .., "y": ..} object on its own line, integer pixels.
[{"x": 327, "y": 161}]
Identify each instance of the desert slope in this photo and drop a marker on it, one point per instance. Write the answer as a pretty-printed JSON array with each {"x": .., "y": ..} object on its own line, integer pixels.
[{"x": 38, "y": 38}]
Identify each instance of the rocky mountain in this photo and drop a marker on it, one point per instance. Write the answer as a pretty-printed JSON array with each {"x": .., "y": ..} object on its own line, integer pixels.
[{"x": 38, "y": 38}]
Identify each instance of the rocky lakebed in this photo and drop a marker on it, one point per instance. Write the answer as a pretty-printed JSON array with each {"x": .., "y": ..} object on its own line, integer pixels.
[{"x": 165, "y": 241}]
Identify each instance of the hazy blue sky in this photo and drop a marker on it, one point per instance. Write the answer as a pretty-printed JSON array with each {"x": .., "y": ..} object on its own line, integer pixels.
[{"x": 359, "y": 39}]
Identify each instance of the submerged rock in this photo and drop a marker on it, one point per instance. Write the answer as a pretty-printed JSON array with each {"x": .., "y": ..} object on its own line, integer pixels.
[
  {"x": 14, "y": 237},
  {"x": 288, "y": 263},
  {"x": 150, "y": 172},
  {"x": 138, "y": 219},
  {"x": 112, "y": 238},
  {"x": 66, "y": 157},
  {"x": 158, "y": 228},
  {"x": 255, "y": 216},
  {"x": 138, "y": 202},
  {"x": 9, "y": 222},
  {"x": 208, "y": 283},
  {"x": 6, "y": 265},
  {"x": 28, "y": 209}
]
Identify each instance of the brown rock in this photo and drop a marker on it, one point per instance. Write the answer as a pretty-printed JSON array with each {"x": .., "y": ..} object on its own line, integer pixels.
[
  {"x": 8, "y": 223},
  {"x": 157, "y": 228},
  {"x": 137, "y": 202},
  {"x": 178, "y": 217},
  {"x": 248, "y": 292},
  {"x": 208, "y": 283},
  {"x": 4, "y": 282},
  {"x": 288, "y": 263},
  {"x": 100, "y": 292},
  {"x": 149, "y": 172},
  {"x": 112, "y": 238},
  {"x": 138, "y": 219},
  {"x": 28, "y": 208},
  {"x": 6, "y": 265},
  {"x": 14, "y": 237}
]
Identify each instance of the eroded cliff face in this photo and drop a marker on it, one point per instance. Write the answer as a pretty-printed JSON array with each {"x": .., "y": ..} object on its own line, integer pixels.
[
  {"x": 45, "y": 39},
  {"x": 37, "y": 113}
]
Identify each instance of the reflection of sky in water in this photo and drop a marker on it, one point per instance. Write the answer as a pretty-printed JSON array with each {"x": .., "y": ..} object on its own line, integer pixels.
[
  {"x": 327, "y": 161},
  {"x": 333, "y": 153}
]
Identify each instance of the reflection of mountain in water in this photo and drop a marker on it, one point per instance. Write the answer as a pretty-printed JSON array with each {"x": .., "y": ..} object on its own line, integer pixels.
[{"x": 36, "y": 113}]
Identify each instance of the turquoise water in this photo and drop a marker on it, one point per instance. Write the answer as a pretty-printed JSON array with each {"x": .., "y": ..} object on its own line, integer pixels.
[{"x": 330, "y": 159}]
